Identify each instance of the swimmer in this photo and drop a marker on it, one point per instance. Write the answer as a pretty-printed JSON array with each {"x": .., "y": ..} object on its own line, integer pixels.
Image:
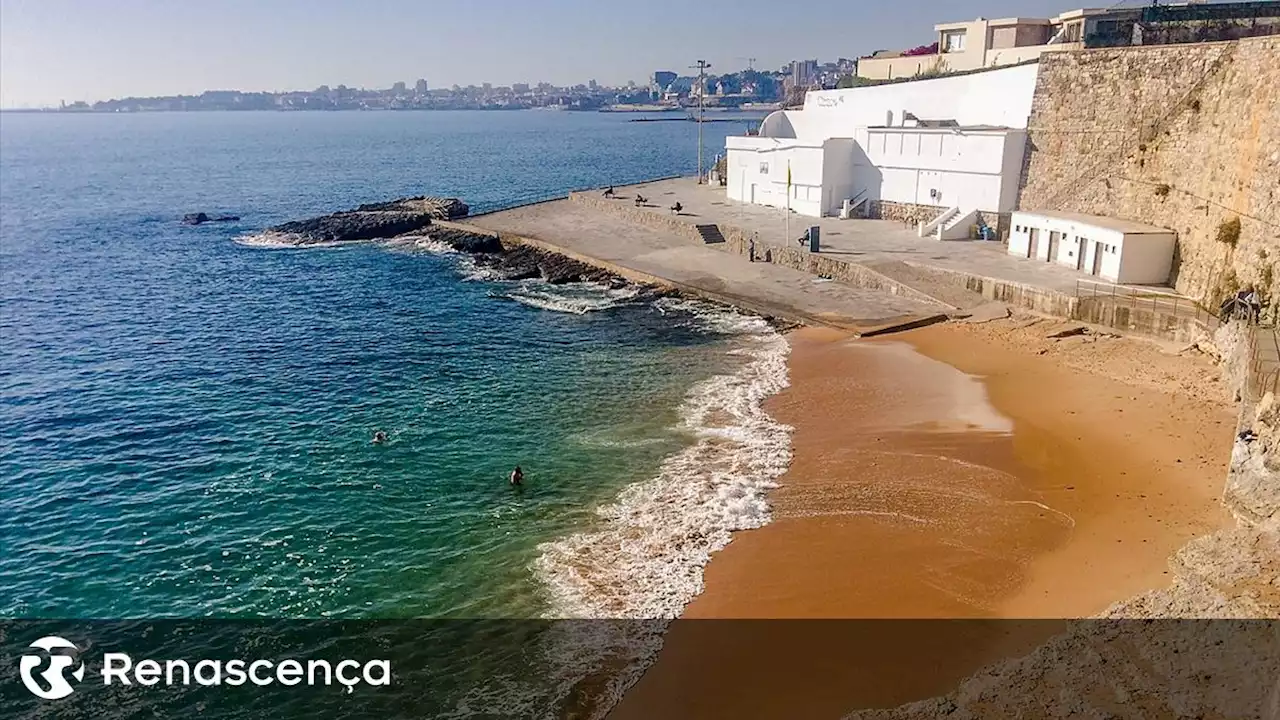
[
  {"x": 379, "y": 437},
  {"x": 517, "y": 477}
]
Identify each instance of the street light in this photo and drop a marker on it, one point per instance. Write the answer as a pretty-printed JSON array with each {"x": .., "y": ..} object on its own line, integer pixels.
[{"x": 702, "y": 87}]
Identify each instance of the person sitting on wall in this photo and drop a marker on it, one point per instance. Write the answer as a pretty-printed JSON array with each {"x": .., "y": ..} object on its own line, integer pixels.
[
  {"x": 641, "y": 200},
  {"x": 677, "y": 208},
  {"x": 609, "y": 192}
]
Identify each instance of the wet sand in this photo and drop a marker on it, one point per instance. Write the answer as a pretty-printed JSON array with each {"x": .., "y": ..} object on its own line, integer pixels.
[{"x": 918, "y": 490}]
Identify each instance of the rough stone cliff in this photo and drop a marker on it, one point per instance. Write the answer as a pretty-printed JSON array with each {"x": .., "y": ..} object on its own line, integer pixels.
[{"x": 1180, "y": 136}]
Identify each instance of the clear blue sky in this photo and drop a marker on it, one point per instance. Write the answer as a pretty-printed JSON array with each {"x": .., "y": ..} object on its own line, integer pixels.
[{"x": 53, "y": 50}]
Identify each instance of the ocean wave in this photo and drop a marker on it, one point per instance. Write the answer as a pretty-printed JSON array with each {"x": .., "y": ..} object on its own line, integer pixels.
[
  {"x": 646, "y": 558},
  {"x": 714, "y": 318},
  {"x": 267, "y": 240},
  {"x": 577, "y": 299}
]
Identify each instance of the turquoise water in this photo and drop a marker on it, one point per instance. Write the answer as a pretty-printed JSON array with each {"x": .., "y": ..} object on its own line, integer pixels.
[{"x": 185, "y": 421}]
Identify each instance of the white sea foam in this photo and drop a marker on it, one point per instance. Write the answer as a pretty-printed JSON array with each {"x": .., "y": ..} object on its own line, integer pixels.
[
  {"x": 577, "y": 299},
  {"x": 646, "y": 558},
  {"x": 268, "y": 240}
]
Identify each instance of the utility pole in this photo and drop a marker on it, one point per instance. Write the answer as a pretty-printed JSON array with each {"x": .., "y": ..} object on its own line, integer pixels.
[
  {"x": 751, "y": 62},
  {"x": 702, "y": 89}
]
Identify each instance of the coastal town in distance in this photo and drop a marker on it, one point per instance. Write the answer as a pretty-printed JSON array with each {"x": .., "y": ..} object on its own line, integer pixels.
[{"x": 749, "y": 89}]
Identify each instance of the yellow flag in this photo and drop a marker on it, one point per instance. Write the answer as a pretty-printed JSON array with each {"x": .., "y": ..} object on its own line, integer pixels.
[{"x": 788, "y": 177}]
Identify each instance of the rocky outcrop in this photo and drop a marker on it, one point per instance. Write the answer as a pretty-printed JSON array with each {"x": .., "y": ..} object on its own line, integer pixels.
[
  {"x": 201, "y": 218},
  {"x": 374, "y": 221},
  {"x": 464, "y": 241},
  {"x": 525, "y": 261},
  {"x": 437, "y": 207}
]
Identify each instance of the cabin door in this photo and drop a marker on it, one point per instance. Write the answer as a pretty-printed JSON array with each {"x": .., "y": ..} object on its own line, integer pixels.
[
  {"x": 1033, "y": 247},
  {"x": 1054, "y": 239},
  {"x": 1098, "y": 250}
]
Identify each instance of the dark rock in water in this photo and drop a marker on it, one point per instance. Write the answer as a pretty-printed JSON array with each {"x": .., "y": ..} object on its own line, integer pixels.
[
  {"x": 467, "y": 242},
  {"x": 437, "y": 207},
  {"x": 373, "y": 221},
  {"x": 201, "y": 218},
  {"x": 352, "y": 226},
  {"x": 525, "y": 262}
]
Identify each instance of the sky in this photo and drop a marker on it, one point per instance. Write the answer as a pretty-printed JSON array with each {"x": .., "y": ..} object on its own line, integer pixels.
[{"x": 54, "y": 50}]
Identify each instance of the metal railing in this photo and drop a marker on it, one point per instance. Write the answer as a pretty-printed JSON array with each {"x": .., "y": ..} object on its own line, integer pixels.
[
  {"x": 1156, "y": 301},
  {"x": 1264, "y": 360}
]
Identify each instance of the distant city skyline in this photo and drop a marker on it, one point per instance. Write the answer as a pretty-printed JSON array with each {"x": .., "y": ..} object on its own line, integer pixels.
[{"x": 62, "y": 50}]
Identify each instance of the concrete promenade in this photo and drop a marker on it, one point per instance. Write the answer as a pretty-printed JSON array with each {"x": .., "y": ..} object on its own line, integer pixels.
[
  {"x": 868, "y": 242},
  {"x": 868, "y": 274},
  {"x": 643, "y": 253}
]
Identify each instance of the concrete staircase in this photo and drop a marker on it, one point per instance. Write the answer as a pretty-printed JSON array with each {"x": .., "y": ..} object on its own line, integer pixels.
[
  {"x": 957, "y": 228},
  {"x": 934, "y": 226},
  {"x": 710, "y": 234}
]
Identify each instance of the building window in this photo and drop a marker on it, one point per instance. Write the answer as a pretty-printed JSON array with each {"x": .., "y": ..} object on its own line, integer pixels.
[
  {"x": 764, "y": 168},
  {"x": 953, "y": 41}
]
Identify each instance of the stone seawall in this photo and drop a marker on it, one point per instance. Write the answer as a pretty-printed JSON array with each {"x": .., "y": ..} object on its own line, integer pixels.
[
  {"x": 1181, "y": 136},
  {"x": 738, "y": 240},
  {"x": 1156, "y": 321}
]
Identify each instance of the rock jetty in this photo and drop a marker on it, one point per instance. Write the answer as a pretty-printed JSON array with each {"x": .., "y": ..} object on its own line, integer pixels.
[
  {"x": 416, "y": 217},
  {"x": 373, "y": 221},
  {"x": 201, "y": 218}
]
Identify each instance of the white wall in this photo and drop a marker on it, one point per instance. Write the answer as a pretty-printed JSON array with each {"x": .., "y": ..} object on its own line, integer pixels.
[
  {"x": 1015, "y": 148},
  {"x": 1142, "y": 259},
  {"x": 995, "y": 97},
  {"x": 838, "y": 174},
  {"x": 763, "y": 162},
  {"x": 1147, "y": 259},
  {"x": 972, "y": 170}
]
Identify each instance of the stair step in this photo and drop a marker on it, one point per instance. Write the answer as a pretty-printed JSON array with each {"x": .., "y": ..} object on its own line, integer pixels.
[{"x": 710, "y": 234}]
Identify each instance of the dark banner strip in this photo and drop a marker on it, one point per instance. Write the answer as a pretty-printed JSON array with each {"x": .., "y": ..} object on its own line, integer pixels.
[{"x": 637, "y": 669}]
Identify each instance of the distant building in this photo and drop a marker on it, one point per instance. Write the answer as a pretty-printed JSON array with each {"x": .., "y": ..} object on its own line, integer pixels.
[
  {"x": 804, "y": 73},
  {"x": 520, "y": 88},
  {"x": 399, "y": 88},
  {"x": 662, "y": 80},
  {"x": 988, "y": 43},
  {"x": 421, "y": 87}
]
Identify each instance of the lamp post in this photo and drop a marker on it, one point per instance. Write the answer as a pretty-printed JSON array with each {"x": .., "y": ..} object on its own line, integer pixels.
[{"x": 702, "y": 88}]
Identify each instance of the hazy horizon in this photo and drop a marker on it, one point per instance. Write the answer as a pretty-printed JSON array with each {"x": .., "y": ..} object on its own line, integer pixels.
[{"x": 62, "y": 50}]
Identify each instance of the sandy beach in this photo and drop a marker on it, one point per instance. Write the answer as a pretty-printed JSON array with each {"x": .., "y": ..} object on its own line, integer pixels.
[{"x": 957, "y": 471}]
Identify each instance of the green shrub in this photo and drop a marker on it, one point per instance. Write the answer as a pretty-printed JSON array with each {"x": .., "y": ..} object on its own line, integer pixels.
[{"x": 1229, "y": 231}]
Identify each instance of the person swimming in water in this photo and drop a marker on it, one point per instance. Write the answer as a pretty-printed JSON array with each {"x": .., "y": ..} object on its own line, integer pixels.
[
  {"x": 517, "y": 477},
  {"x": 379, "y": 437}
]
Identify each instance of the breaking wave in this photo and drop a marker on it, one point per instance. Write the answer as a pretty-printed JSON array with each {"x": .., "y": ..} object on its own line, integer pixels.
[
  {"x": 646, "y": 557},
  {"x": 578, "y": 298}
]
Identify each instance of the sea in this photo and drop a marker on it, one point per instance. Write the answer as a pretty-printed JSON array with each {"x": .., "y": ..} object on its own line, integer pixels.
[{"x": 186, "y": 416}]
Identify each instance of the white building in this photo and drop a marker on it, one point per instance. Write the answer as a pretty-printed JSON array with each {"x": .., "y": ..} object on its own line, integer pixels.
[
  {"x": 1119, "y": 251},
  {"x": 950, "y": 144},
  {"x": 989, "y": 43}
]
